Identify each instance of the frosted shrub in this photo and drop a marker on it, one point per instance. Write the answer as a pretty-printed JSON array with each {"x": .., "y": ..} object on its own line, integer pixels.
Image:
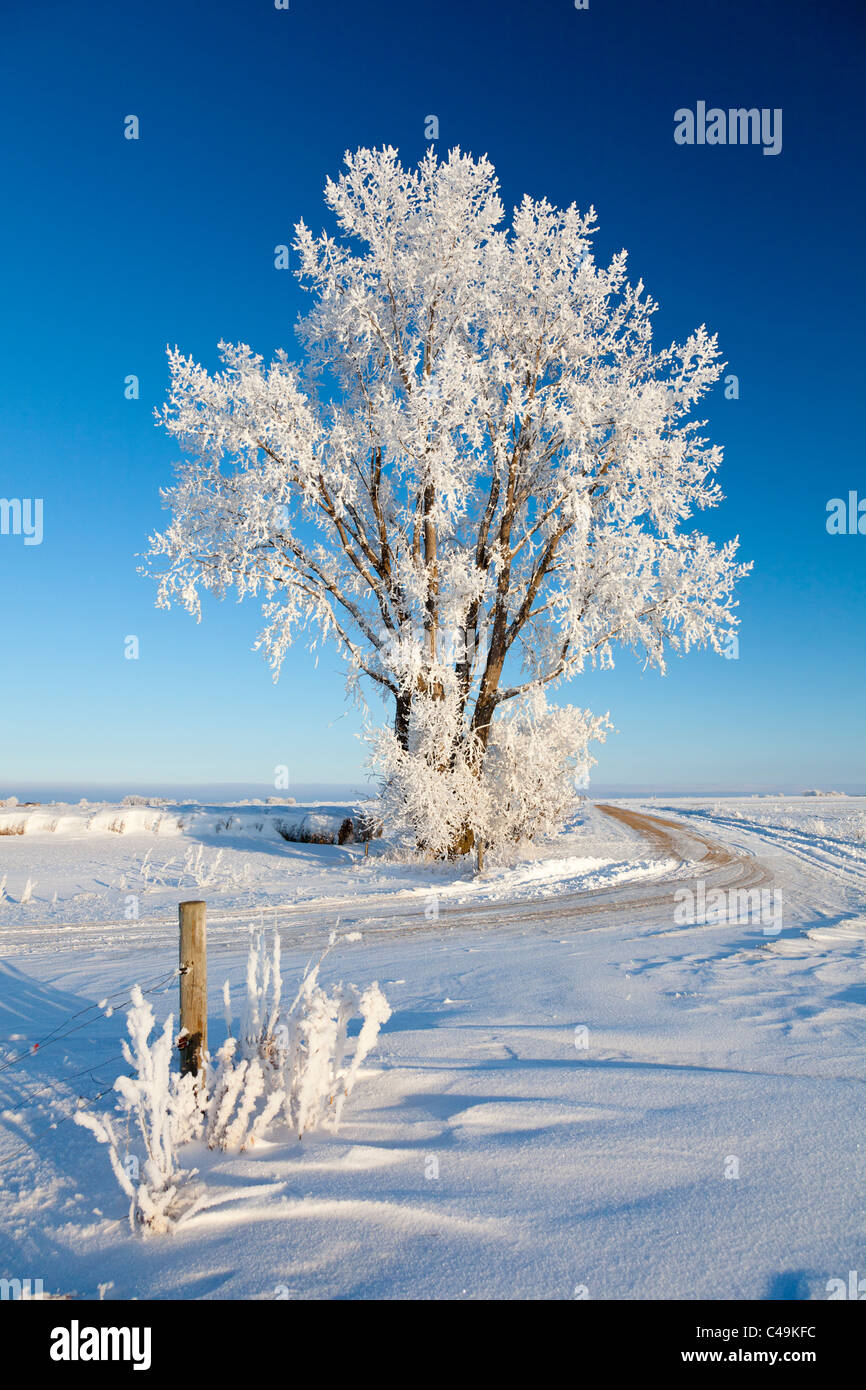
[
  {"x": 165, "y": 1109},
  {"x": 814, "y": 825},
  {"x": 235, "y": 1117},
  {"x": 292, "y": 1063},
  {"x": 442, "y": 794},
  {"x": 537, "y": 759},
  {"x": 290, "y": 1066},
  {"x": 318, "y": 1078},
  {"x": 202, "y": 873},
  {"x": 195, "y": 871},
  {"x": 430, "y": 787}
]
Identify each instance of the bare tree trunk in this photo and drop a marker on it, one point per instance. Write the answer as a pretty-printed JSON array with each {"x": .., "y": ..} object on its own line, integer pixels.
[
  {"x": 482, "y": 718},
  {"x": 463, "y": 843},
  {"x": 401, "y": 718}
]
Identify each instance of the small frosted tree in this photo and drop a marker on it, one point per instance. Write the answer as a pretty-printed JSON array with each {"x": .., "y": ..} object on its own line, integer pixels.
[{"x": 476, "y": 483}]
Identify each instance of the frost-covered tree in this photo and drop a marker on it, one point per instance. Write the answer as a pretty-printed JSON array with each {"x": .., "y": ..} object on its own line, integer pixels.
[{"x": 475, "y": 484}]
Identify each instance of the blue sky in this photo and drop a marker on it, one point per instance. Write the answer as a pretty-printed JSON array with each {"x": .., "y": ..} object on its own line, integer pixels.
[{"x": 112, "y": 248}]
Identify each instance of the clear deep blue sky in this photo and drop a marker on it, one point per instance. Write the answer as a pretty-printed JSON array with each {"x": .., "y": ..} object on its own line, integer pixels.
[{"x": 112, "y": 248}]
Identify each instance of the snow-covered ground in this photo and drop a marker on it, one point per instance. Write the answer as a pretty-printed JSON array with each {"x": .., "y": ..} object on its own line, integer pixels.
[{"x": 578, "y": 1093}]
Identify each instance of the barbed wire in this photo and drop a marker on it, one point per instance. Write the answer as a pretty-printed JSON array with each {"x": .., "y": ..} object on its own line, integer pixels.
[
  {"x": 163, "y": 981},
  {"x": 55, "y": 1124}
]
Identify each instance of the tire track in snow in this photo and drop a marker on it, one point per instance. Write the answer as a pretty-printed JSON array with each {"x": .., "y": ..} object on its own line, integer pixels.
[{"x": 818, "y": 852}]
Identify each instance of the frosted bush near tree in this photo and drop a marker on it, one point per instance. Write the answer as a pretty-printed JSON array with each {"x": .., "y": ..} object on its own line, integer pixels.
[{"x": 537, "y": 759}]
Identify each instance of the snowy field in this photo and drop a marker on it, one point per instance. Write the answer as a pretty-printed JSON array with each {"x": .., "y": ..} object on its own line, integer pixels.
[{"x": 582, "y": 1091}]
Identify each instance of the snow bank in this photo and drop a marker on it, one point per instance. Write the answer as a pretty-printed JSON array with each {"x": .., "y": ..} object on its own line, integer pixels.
[{"x": 315, "y": 821}]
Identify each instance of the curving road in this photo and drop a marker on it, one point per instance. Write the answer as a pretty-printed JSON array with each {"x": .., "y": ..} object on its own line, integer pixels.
[
  {"x": 719, "y": 866},
  {"x": 696, "y": 856}
]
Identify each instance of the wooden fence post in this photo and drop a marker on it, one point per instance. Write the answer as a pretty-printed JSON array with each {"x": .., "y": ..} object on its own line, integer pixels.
[{"x": 193, "y": 985}]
